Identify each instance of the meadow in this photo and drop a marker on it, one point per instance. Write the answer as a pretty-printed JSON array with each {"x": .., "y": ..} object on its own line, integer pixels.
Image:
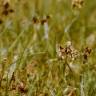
[{"x": 47, "y": 47}]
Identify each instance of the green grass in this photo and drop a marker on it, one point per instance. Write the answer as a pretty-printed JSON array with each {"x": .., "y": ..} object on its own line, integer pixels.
[{"x": 29, "y": 62}]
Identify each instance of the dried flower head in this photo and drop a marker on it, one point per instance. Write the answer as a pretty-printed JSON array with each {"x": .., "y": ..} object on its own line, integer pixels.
[
  {"x": 69, "y": 51},
  {"x": 48, "y": 16},
  {"x": 88, "y": 50},
  {"x": 35, "y": 20},
  {"x": 60, "y": 51},
  {"x": 86, "y": 54},
  {"x": 77, "y": 3},
  {"x": 6, "y": 5},
  {"x": 43, "y": 21}
]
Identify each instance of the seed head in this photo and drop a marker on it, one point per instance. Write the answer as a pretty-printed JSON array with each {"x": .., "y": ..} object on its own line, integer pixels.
[
  {"x": 35, "y": 20},
  {"x": 86, "y": 54},
  {"x": 43, "y": 21},
  {"x": 77, "y": 3},
  {"x": 68, "y": 51},
  {"x": 6, "y": 5}
]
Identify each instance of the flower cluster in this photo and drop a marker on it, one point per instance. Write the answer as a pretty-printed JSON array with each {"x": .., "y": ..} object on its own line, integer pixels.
[
  {"x": 86, "y": 54},
  {"x": 7, "y": 9},
  {"x": 70, "y": 52},
  {"x": 37, "y": 20}
]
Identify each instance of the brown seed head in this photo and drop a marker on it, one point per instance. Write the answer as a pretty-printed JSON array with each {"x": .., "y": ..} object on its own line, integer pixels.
[
  {"x": 87, "y": 50},
  {"x": 43, "y": 21},
  {"x": 86, "y": 53},
  {"x": 6, "y": 5},
  {"x": 35, "y": 20},
  {"x": 48, "y": 17},
  {"x": 11, "y": 10},
  {"x": 77, "y": 3}
]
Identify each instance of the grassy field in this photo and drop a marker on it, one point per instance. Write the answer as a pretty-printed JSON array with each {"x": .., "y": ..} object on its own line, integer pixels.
[{"x": 47, "y": 47}]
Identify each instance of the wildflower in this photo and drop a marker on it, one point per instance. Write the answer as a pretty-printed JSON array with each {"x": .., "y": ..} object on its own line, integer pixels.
[
  {"x": 36, "y": 24},
  {"x": 86, "y": 54},
  {"x": 35, "y": 20},
  {"x": 77, "y": 3},
  {"x": 87, "y": 50},
  {"x": 60, "y": 52},
  {"x": 6, "y": 9},
  {"x": 43, "y": 21},
  {"x": 69, "y": 51},
  {"x": 48, "y": 17},
  {"x": 6, "y": 5},
  {"x": 75, "y": 54}
]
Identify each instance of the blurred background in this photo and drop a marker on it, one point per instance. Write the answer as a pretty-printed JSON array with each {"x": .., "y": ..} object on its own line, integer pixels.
[{"x": 66, "y": 21}]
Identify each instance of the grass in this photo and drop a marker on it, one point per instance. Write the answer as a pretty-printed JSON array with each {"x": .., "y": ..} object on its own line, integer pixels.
[{"x": 35, "y": 58}]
